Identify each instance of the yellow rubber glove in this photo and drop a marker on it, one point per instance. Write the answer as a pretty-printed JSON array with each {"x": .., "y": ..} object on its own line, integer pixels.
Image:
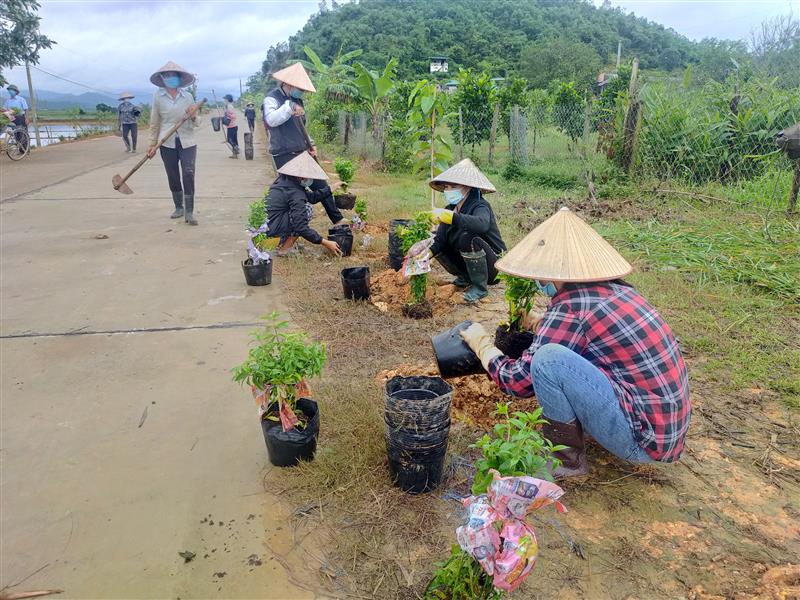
[
  {"x": 481, "y": 343},
  {"x": 442, "y": 215}
]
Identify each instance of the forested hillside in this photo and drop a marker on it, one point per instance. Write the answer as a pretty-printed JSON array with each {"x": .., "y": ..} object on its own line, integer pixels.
[{"x": 492, "y": 35}]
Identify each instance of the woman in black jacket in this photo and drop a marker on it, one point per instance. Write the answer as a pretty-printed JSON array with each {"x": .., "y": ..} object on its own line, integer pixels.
[
  {"x": 468, "y": 241},
  {"x": 287, "y": 216}
]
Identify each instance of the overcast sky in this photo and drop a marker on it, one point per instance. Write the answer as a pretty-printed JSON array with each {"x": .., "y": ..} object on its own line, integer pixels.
[{"x": 111, "y": 46}]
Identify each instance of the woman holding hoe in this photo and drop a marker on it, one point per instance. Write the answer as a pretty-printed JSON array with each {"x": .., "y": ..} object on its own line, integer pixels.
[
  {"x": 170, "y": 104},
  {"x": 602, "y": 360},
  {"x": 287, "y": 215}
]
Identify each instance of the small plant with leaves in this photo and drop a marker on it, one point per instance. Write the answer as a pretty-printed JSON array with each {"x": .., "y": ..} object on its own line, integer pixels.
[
  {"x": 257, "y": 230},
  {"x": 361, "y": 209},
  {"x": 460, "y": 577},
  {"x": 279, "y": 363},
  {"x": 515, "y": 448},
  {"x": 345, "y": 170},
  {"x": 520, "y": 294},
  {"x": 409, "y": 235}
]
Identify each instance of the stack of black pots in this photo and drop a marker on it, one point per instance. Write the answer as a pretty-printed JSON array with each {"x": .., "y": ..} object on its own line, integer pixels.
[{"x": 417, "y": 427}]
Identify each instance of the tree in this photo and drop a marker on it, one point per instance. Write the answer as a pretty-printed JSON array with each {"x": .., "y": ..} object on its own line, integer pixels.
[
  {"x": 568, "y": 107},
  {"x": 560, "y": 58},
  {"x": 475, "y": 97},
  {"x": 334, "y": 80},
  {"x": 717, "y": 59},
  {"x": 776, "y": 50},
  {"x": 104, "y": 108},
  {"x": 425, "y": 114},
  {"x": 513, "y": 93},
  {"x": 373, "y": 92},
  {"x": 20, "y": 40}
]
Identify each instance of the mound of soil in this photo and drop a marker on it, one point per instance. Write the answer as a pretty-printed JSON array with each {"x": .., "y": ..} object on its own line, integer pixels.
[
  {"x": 474, "y": 396},
  {"x": 390, "y": 291}
]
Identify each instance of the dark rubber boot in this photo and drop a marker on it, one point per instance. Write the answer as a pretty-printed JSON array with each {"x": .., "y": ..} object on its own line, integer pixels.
[
  {"x": 189, "y": 201},
  {"x": 573, "y": 458},
  {"x": 451, "y": 267},
  {"x": 478, "y": 275},
  {"x": 177, "y": 199}
]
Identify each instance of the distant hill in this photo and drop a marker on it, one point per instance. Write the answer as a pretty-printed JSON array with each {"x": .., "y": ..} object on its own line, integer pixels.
[
  {"x": 47, "y": 99},
  {"x": 488, "y": 34}
]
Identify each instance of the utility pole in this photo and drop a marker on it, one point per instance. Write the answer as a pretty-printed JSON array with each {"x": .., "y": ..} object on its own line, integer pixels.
[
  {"x": 33, "y": 105},
  {"x": 240, "y": 87},
  {"x": 619, "y": 54}
]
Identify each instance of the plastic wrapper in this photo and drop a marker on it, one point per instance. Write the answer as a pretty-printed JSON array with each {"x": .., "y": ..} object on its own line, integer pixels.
[
  {"x": 418, "y": 259},
  {"x": 257, "y": 255},
  {"x": 496, "y": 534}
]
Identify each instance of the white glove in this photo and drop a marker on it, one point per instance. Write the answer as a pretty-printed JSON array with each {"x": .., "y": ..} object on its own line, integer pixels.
[{"x": 481, "y": 343}]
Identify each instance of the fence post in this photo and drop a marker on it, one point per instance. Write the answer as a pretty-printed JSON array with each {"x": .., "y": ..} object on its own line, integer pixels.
[
  {"x": 516, "y": 137},
  {"x": 493, "y": 132},
  {"x": 586, "y": 118},
  {"x": 631, "y": 123},
  {"x": 512, "y": 133},
  {"x": 460, "y": 134},
  {"x": 795, "y": 189},
  {"x": 347, "y": 125}
]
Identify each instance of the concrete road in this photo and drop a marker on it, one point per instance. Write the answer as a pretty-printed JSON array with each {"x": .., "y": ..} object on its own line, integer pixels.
[{"x": 124, "y": 440}]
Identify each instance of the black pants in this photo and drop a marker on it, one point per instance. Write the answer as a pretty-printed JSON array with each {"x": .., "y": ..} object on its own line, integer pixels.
[
  {"x": 327, "y": 202},
  {"x": 233, "y": 138},
  {"x": 186, "y": 157},
  {"x": 133, "y": 129},
  {"x": 19, "y": 121},
  {"x": 452, "y": 261},
  {"x": 251, "y": 123}
]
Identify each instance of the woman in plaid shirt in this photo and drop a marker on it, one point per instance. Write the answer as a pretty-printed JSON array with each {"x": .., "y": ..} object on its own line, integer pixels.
[{"x": 602, "y": 360}]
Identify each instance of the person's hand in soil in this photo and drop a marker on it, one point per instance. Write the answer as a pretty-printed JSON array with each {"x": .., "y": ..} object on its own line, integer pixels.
[
  {"x": 332, "y": 247},
  {"x": 481, "y": 343},
  {"x": 299, "y": 111},
  {"x": 151, "y": 151}
]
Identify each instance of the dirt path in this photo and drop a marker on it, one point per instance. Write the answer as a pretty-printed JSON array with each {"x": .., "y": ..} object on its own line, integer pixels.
[{"x": 121, "y": 447}]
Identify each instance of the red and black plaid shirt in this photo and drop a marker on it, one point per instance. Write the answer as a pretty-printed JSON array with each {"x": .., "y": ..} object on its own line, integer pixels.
[{"x": 613, "y": 327}]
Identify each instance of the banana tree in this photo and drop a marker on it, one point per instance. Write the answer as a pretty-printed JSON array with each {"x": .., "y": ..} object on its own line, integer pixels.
[
  {"x": 336, "y": 79},
  {"x": 373, "y": 92}
]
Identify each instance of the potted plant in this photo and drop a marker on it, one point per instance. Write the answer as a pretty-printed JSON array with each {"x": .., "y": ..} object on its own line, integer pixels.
[
  {"x": 257, "y": 266},
  {"x": 511, "y": 337},
  {"x": 360, "y": 218},
  {"x": 417, "y": 231},
  {"x": 460, "y": 577},
  {"x": 346, "y": 171},
  {"x": 277, "y": 369}
]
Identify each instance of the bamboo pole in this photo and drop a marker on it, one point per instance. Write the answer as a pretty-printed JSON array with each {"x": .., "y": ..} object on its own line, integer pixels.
[{"x": 433, "y": 141}]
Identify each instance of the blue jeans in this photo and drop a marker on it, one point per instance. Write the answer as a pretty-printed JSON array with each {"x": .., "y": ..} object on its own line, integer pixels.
[{"x": 569, "y": 387}]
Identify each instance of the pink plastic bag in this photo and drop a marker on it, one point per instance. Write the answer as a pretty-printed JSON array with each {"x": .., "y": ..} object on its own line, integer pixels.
[{"x": 496, "y": 534}]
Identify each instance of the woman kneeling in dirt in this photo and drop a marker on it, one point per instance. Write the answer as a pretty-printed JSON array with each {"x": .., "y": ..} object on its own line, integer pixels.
[
  {"x": 602, "y": 360},
  {"x": 287, "y": 205},
  {"x": 467, "y": 241}
]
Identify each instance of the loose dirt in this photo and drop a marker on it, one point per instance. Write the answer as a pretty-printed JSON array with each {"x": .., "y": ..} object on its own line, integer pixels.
[{"x": 390, "y": 291}]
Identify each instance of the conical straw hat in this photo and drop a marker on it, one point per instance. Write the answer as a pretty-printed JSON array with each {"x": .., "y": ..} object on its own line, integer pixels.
[
  {"x": 564, "y": 248},
  {"x": 303, "y": 165},
  {"x": 125, "y": 96},
  {"x": 186, "y": 77},
  {"x": 296, "y": 76},
  {"x": 463, "y": 173}
]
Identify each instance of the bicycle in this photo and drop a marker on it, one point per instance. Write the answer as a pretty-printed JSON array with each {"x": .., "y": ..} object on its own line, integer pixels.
[{"x": 17, "y": 141}]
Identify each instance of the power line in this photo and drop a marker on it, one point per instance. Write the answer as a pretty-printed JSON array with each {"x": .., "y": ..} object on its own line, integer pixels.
[{"x": 83, "y": 85}]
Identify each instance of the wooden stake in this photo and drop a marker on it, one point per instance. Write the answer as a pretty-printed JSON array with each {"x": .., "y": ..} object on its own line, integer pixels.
[
  {"x": 493, "y": 134},
  {"x": 795, "y": 189},
  {"x": 433, "y": 141}
]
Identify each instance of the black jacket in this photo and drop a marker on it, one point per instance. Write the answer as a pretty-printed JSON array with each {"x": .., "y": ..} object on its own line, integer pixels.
[
  {"x": 286, "y": 138},
  {"x": 475, "y": 218},
  {"x": 250, "y": 113},
  {"x": 286, "y": 209}
]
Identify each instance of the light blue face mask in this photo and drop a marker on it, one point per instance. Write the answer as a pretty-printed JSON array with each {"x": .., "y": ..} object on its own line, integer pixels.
[
  {"x": 12, "y": 93},
  {"x": 297, "y": 94},
  {"x": 452, "y": 197},
  {"x": 171, "y": 81},
  {"x": 548, "y": 290},
  {"x": 306, "y": 182}
]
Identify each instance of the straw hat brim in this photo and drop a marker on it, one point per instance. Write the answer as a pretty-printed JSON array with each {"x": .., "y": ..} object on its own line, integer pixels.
[
  {"x": 126, "y": 96},
  {"x": 187, "y": 78},
  {"x": 296, "y": 76},
  {"x": 304, "y": 166},
  {"x": 463, "y": 173},
  {"x": 565, "y": 249}
]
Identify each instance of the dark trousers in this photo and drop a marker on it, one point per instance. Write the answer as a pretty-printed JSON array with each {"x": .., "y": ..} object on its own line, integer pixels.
[
  {"x": 133, "y": 129},
  {"x": 19, "y": 121},
  {"x": 186, "y": 157},
  {"x": 327, "y": 202},
  {"x": 452, "y": 261},
  {"x": 233, "y": 138},
  {"x": 251, "y": 123}
]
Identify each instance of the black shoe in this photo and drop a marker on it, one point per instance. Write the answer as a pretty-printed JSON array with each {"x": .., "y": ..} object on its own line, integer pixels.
[
  {"x": 478, "y": 275},
  {"x": 189, "y": 202},
  {"x": 177, "y": 199},
  {"x": 573, "y": 458}
]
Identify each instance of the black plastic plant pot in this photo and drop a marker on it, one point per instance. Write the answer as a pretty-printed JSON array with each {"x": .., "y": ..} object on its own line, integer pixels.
[
  {"x": 395, "y": 245},
  {"x": 259, "y": 274},
  {"x": 453, "y": 357},
  {"x": 512, "y": 343},
  {"x": 288, "y": 448},
  {"x": 355, "y": 283},
  {"x": 215, "y": 123},
  {"x": 417, "y": 427},
  {"x": 248, "y": 146},
  {"x": 343, "y": 236}
]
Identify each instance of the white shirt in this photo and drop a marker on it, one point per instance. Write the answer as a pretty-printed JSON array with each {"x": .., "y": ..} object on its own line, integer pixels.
[
  {"x": 277, "y": 115},
  {"x": 165, "y": 115}
]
